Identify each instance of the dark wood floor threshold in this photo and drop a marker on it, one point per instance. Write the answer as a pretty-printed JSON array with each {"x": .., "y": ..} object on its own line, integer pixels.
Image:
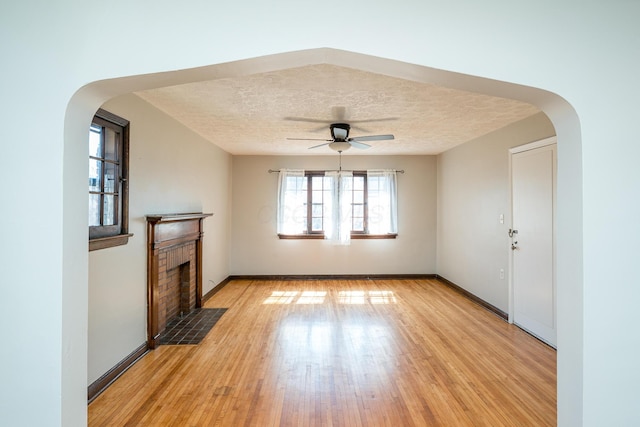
[{"x": 101, "y": 384}]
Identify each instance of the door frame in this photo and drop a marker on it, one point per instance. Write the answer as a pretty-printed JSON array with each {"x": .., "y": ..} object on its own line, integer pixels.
[{"x": 515, "y": 150}]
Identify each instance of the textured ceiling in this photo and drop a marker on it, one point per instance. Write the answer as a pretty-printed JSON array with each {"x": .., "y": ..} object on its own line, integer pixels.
[{"x": 255, "y": 114}]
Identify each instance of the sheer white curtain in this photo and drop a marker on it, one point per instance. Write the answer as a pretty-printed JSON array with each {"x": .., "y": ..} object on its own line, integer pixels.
[
  {"x": 382, "y": 201},
  {"x": 292, "y": 199},
  {"x": 337, "y": 227}
]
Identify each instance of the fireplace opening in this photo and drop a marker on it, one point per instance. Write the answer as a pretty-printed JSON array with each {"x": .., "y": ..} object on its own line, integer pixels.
[
  {"x": 176, "y": 283},
  {"x": 179, "y": 297}
]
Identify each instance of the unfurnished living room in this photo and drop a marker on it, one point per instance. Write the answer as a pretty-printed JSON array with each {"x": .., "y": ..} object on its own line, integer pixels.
[
  {"x": 376, "y": 275},
  {"x": 320, "y": 213}
]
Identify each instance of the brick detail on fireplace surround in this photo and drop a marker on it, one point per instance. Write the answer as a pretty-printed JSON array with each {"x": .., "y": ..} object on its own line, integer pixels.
[{"x": 174, "y": 269}]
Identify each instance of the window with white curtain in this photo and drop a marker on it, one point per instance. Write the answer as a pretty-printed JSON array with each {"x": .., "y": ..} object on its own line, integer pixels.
[
  {"x": 337, "y": 205},
  {"x": 292, "y": 201},
  {"x": 381, "y": 201}
]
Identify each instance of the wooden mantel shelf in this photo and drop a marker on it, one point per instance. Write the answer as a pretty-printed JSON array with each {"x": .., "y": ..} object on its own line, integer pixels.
[
  {"x": 166, "y": 230},
  {"x": 177, "y": 216}
]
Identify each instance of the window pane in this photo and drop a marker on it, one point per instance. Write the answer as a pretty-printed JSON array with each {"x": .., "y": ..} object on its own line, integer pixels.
[
  {"x": 316, "y": 209},
  {"x": 358, "y": 211},
  {"x": 316, "y": 224},
  {"x": 358, "y": 224},
  {"x": 358, "y": 183},
  {"x": 110, "y": 176},
  {"x": 94, "y": 209},
  {"x": 316, "y": 182},
  {"x": 316, "y": 195},
  {"x": 109, "y": 214},
  {"x": 296, "y": 184},
  {"x": 110, "y": 144},
  {"x": 95, "y": 141},
  {"x": 298, "y": 221},
  {"x": 358, "y": 197},
  {"x": 95, "y": 175}
]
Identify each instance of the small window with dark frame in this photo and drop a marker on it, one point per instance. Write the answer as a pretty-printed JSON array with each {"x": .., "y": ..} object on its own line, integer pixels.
[{"x": 108, "y": 180}]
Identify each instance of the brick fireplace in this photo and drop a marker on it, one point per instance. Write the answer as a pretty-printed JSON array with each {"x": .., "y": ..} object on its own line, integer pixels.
[{"x": 174, "y": 269}]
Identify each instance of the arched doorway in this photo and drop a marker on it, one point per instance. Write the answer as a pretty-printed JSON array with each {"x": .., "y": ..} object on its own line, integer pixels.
[{"x": 89, "y": 98}]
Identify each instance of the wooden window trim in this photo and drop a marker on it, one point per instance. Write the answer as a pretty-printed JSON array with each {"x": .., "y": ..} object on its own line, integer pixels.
[
  {"x": 107, "y": 239},
  {"x": 309, "y": 177},
  {"x": 109, "y": 242}
]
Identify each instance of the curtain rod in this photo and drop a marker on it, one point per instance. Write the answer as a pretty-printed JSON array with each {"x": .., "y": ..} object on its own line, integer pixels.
[{"x": 336, "y": 170}]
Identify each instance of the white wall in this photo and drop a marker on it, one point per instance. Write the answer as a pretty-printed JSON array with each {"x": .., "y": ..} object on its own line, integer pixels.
[
  {"x": 172, "y": 170},
  {"x": 473, "y": 191},
  {"x": 256, "y": 249},
  {"x": 584, "y": 58}
]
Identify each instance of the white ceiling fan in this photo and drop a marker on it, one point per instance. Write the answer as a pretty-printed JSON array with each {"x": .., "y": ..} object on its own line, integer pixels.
[
  {"x": 340, "y": 140},
  {"x": 340, "y": 126}
]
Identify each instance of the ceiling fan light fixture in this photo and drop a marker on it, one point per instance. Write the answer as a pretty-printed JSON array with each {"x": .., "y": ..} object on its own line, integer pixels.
[{"x": 340, "y": 146}]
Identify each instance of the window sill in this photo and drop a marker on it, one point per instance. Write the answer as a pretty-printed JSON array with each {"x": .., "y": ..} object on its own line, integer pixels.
[
  {"x": 109, "y": 242},
  {"x": 321, "y": 236}
]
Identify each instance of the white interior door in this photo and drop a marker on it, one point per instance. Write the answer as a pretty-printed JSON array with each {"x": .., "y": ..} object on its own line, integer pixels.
[{"x": 533, "y": 173}]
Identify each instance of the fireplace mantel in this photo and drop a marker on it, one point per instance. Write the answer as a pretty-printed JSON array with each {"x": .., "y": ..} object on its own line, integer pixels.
[
  {"x": 173, "y": 240},
  {"x": 177, "y": 216}
]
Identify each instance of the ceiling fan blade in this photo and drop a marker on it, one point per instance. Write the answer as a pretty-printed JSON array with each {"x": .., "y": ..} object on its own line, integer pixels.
[
  {"x": 321, "y": 145},
  {"x": 304, "y": 119},
  {"x": 360, "y": 145},
  {"x": 310, "y": 139},
  {"x": 383, "y": 119},
  {"x": 372, "y": 138}
]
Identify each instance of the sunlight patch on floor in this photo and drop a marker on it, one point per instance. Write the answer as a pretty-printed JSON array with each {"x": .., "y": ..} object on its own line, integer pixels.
[
  {"x": 311, "y": 297},
  {"x": 319, "y": 297},
  {"x": 279, "y": 297}
]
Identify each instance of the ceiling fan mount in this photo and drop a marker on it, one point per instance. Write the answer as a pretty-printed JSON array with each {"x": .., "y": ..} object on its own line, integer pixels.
[
  {"x": 340, "y": 140},
  {"x": 340, "y": 131}
]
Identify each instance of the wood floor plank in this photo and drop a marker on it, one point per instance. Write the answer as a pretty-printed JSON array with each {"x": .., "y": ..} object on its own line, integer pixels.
[{"x": 341, "y": 353}]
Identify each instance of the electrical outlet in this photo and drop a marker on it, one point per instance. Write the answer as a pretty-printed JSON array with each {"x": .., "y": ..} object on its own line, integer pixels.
[{"x": 502, "y": 273}]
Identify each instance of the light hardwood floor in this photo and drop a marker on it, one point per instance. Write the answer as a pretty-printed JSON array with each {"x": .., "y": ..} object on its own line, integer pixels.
[{"x": 341, "y": 353}]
